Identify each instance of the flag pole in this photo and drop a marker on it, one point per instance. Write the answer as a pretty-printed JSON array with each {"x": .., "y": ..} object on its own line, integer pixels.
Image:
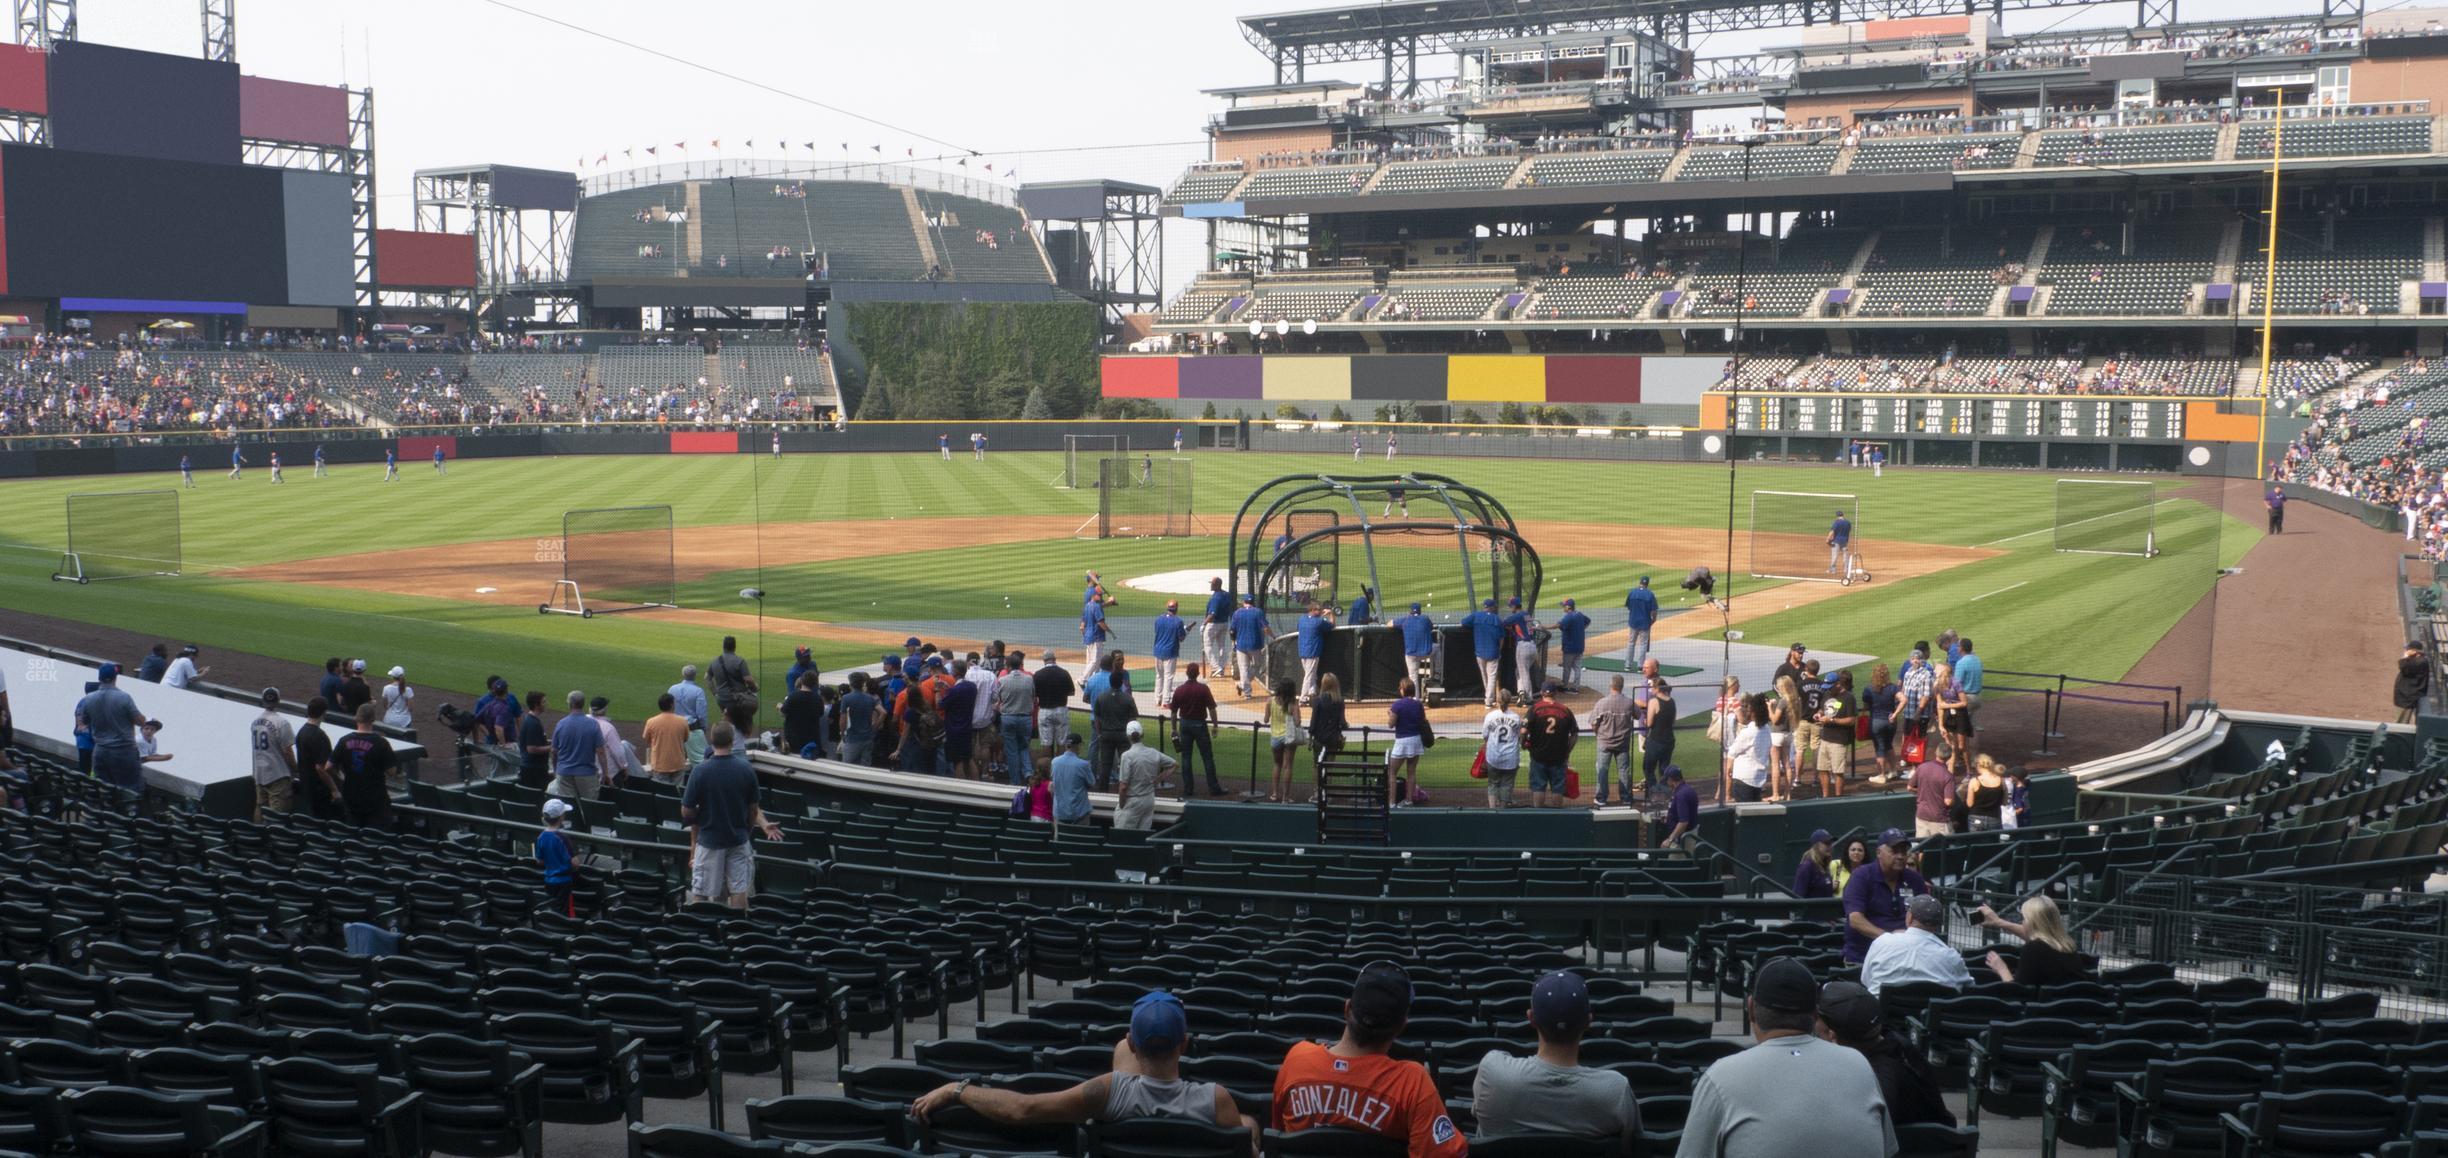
[{"x": 2269, "y": 283}]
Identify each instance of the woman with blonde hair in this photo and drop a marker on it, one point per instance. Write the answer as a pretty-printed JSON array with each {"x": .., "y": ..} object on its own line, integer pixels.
[
  {"x": 1954, "y": 719},
  {"x": 1722, "y": 723},
  {"x": 1784, "y": 716},
  {"x": 1984, "y": 794},
  {"x": 2048, "y": 957}
]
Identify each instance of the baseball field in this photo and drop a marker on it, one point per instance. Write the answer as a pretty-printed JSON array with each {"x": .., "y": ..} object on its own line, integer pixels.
[{"x": 442, "y": 574}]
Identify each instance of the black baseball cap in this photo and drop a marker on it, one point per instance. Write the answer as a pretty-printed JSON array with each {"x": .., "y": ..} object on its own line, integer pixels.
[
  {"x": 1785, "y": 985},
  {"x": 1560, "y": 1004},
  {"x": 1895, "y": 836},
  {"x": 1849, "y": 1009},
  {"x": 1381, "y": 998}
]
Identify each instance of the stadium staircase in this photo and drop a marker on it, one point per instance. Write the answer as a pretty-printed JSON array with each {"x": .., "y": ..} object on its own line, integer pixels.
[
  {"x": 918, "y": 225},
  {"x": 2227, "y": 137},
  {"x": 1844, "y": 159},
  {"x": 692, "y": 239},
  {"x": 1351, "y": 802},
  {"x": 2435, "y": 250}
]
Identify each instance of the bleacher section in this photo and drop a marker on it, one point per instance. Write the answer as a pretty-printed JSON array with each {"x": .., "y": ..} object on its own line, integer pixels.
[
  {"x": 2168, "y": 259},
  {"x": 1446, "y": 176},
  {"x": 1328, "y": 181},
  {"x": 1767, "y": 163},
  {"x": 1298, "y": 302},
  {"x": 1593, "y": 297},
  {"x": 981, "y": 241},
  {"x": 862, "y": 231},
  {"x": 1204, "y": 185},
  {"x": 1604, "y": 168},
  {"x": 1426, "y": 300},
  {"x": 608, "y": 241},
  {"x": 2335, "y": 137},
  {"x": 1201, "y": 301},
  {"x": 2359, "y": 274},
  {"x": 1913, "y": 273},
  {"x": 1809, "y": 261},
  {"x": 2138, "y": 146},
  {"x": 1935, "y": 154}
]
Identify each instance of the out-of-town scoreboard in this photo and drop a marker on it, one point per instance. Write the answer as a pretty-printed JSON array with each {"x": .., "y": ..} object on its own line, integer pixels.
[{"x": 2018, "y": 416}]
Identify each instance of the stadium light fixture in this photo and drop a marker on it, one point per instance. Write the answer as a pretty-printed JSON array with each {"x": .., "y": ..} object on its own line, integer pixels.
[
  {"x": 1309, "y": 325},
  {"x": 1283, "y": 326}
]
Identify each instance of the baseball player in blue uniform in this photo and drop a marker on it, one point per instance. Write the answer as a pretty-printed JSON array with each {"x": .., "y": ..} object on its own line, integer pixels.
[
  {"x": 1641, "y": 609},
  {"x": 390, "y": 464},
  {"x": 319, "y": 470},
  {"x": 1250, "y": 634},
  {"x": 1093, "y": 632},
  {"x": 1355, "y": 448},
  {"x": 1840, "y": 536},
  {"x": 977, "y": 446},
  {"x": 1363, "y": 612},
  {"x": 237, "y": 460},
  {"x": 943, "y": 446},
  {"x": 1419, "y": 643},
  {"x": 1313, "y": 629},
  {"x": 1572, "y": 629},
  {"x": 1487, "y": 643},
  {"x": 1177, "y": 441},
  {"x": 438, "y": 467},
  {"x": 1391, "y": 446},
  {"x": 186, "y": 472},
  {"x": 1518, "y": 627},
  {"x": 1215, "y": 631},
  {"x": 277, "y": 480},
  {"x": 1169, "y": 633}
]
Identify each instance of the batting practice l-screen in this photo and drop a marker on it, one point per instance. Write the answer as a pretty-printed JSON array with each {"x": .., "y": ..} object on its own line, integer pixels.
[
  {"x": 2100, "y": 516},
  {"x": 121, "y": 535},
  {"x": 1791, "y": 533},
  {"x": 1080, "y": 455},
  {"x": 1143, "y": 497},
  {"x": 614, "y": 559}
]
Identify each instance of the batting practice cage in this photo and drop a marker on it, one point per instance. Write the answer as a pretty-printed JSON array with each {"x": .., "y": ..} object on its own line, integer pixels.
[
  {"x": 1791, "y": 533},
  {"x": 2099, "y": 516},
  {"x": 614, "y": 559},
  {"x": 1080, "y": 455},
  {"x": 1397, "y": 539},
  {"x": 1142, "y": 498},
  {"x": 121, "y": 535}
]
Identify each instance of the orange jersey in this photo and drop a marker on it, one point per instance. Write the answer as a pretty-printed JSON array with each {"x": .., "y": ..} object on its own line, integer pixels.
[{"x": 1375, "y": 1094}]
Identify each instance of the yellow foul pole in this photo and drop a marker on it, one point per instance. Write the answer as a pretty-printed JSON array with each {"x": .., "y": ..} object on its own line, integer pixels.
[{"x": 2269, "y": 282}]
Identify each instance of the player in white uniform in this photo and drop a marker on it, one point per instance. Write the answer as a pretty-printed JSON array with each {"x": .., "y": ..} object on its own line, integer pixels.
[{"x": 276, "y": 469}]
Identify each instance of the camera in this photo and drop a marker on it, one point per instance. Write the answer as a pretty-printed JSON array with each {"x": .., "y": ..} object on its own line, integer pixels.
[
  {"x": 1701, "y": 580},
  {"x": 459, "y": 722}
]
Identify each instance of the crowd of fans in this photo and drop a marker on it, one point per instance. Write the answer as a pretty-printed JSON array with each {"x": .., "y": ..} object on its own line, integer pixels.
[{"x": 2398, "y": 477}]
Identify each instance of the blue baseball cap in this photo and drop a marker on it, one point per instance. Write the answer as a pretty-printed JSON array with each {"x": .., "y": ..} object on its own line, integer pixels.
[
  {"x": 1560, "y": 1004},
  {"x": 1821, "y": 836},
  {"x": 1644, "y": 581},
  {"x": 1488, "y": 603},
  {"x": 1158, "y": 1024},
  {"x": 1513, "y": 602},
  {"x": 1569, "y": 603},
  {"x": 1415, "y": 607},
  {"x": 107, "y": 672}
]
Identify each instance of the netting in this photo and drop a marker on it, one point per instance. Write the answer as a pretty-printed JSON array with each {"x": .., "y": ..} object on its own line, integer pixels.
[
  {"x": 2107, "y": 516},
  {"x": 614, "y": 559},
  {"x": 121, "y": 535},
  {"x": 1144, "y": 497},
  {"x": 1093, "y": 447},
  {"x": 1793, "y": 533},
  {"x": 1302, "y": 571}
]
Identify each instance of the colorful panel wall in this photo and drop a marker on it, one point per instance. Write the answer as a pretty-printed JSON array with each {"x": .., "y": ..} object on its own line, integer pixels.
[{"x": 1605, "y": 379}]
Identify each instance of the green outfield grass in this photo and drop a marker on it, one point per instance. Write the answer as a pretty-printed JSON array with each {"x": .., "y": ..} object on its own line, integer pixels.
[{"x": 2031, "y": 608}]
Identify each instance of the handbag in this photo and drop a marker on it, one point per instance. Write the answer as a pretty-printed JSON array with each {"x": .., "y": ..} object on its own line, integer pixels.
[
  {"x": 1915, "y": 746},
  {"x": 1716, "y": 727},
  {"x": 1479, "y": 764},
  {"x": 1572, "y": 784},
  {"x": 1427, "y": 738}
]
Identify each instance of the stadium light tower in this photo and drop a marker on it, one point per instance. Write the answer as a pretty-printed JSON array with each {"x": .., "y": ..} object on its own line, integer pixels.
[
  {"x": 43, "y": 23},
  {"x": 220, "y": 30}
]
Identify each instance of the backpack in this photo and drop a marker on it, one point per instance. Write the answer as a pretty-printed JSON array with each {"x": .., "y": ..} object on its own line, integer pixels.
[{"x": 925, "y": 723}]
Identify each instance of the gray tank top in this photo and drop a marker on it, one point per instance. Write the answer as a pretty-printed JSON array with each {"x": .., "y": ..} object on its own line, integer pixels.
[{"x": 1135, "y": 1096}]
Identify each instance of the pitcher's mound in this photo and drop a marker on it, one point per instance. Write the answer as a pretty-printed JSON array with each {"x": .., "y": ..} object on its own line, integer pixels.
[{"x": 1190, "y": 582}]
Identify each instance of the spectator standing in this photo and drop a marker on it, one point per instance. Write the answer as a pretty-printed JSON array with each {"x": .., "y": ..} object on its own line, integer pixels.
[
  {"x": 534, "y": 745},
  {"x": 365, "y": 762},
  {"x": 689, "y": 698},
  {"x": 1916, "y": 952},
  {"x": 1054, "y": 692},
  {"x": 1850, "y": 1016},
  {"x": 1953, "y": 716},
  {"x": 614, "y": 760},
  {"x": 1724, "y": 719},
  {"x": 2276, "y": 500},
  {"x": 1811, "y": 876},
  {"x": 1170, "y": 631},
  {"x": 2413, "y": 681},
  {"x": 313, "y": 764},
  {"x": 1611, "y": 725},
  {"x": 552, "y": 854},
  {"x": 1327, "y": 719},
  {"x": 577, "y": 746},
  {"x": 1146, "y": 1082},
  {"x": 1641, "y": 613},
  {"x": 355, "y": 692},
  {"x": 1250, "y": 634},
  {"x": 1284, "y": 738},
  {"x": 1572, "y": 635},
  {"x": 860, "y": 713},
  {"x": 109, "y": 715},
  {"x": 1407, "y": 717},
  {"x": 1194, "y": 720},
  {"x": 183, "y": 670},
  {"x": 329, "y": 688},
  {"x": 1837, "y": 720},
  {"x": 1792, "y": 1092},
  {"x": 1916, "y": 704},
  {"x": 1875, "y": 894},
  {"x": 666, "y": 734},
  {"x": 156, "y": 664},
  {"x": 957, "y": 705},
  {"x": 1657, "y": 729},
  {"x": 735, "y": 688},
  {"x": 1970, "y": 676},
  {"x": 1932, "y": 786},
  {"x": 720, "y": 808},
  {"x": 1550, "y": 1091},
  {"x": 1984, "y": 795},
  {"x": 1073, "y": 779},
  {"x": 1500, "y": 749},
  {"x": 1140, "y": 772},
  {"x": 273, "y": 743},
  {"x": 1750, "y": 754},
  {"x": 1487, "y": 647},
  {"x": 1015, "y": 705},
  {"x": 1553, "y": 731},
  {"x": 1355, "y": 1084},
  {"x": 396, "y": 696},
  {"x": 1112, "y": 713},
  {"x": 1879, "y": 708}
]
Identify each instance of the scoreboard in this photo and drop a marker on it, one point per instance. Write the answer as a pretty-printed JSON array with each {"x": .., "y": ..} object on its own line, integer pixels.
[{"x": 2013, "y": 416}]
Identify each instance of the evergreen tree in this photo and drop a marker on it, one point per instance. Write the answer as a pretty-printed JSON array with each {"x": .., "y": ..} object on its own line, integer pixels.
[{"x": 1035, "y": 409}]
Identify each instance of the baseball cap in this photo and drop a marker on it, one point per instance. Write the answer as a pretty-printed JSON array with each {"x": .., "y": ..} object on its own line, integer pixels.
[
  {"x": 1821, "y": 836},
  {"x": 1415, "y": 607},
  {"x": 107, "y": 672},
  {"x": 1134, "y": 731},
  {"x": 1674, "y": 771},
  {"x": 1381, "y": 997},
  {"x": 1926, "y": 910},
  {"x": 271, "y": 695},
  {"x": 1849, "y": 1009},
  {"x": 356, "y": 665},
  {"x": 499, "y": 684},
  {"x": 1560, "y": 1003},
  {"x": 1569, "y": 603},
  {"x": 912, "y": 641},
  {"x": 1644, "y": 581},
  {"x": 599, "y": 703},
  {"x": 935, "y": 661},
  {"x": 1840, "y": 512},
  {"x": 189, "y": 649},
  {"x": 1488, "y": 603},
  {"x": 1894, "y": 836},
  {"x": 1513, "y": 602},
  {"x": 1785, "y": 985},
  {"x": 397, "y": 671},
  {"x": 1797, "y": 647},
  {"x": 556, "y": 807},
  {"x": 1158, "y": 1023},
  {"x": 1551, "y": 688},
  {"x": 1246, "y": 597}
]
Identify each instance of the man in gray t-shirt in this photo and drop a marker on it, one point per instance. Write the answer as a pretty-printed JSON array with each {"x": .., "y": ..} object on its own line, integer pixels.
[
  {"x": 1792, "y": 1092},
  {"x": 1142, "y": 770},
  {"x": 1551, "y": 1092},
  {"x": 1146, "y": 1082},
  {"x": 111, "y": 715}
]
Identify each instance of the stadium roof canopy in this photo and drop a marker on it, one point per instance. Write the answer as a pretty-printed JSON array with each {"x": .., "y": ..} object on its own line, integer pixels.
[{"x": 1360, "y": 31}]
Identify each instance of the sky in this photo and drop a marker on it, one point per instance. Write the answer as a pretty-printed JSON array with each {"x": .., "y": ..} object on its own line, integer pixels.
[{"x": 1060, "y": 89}]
